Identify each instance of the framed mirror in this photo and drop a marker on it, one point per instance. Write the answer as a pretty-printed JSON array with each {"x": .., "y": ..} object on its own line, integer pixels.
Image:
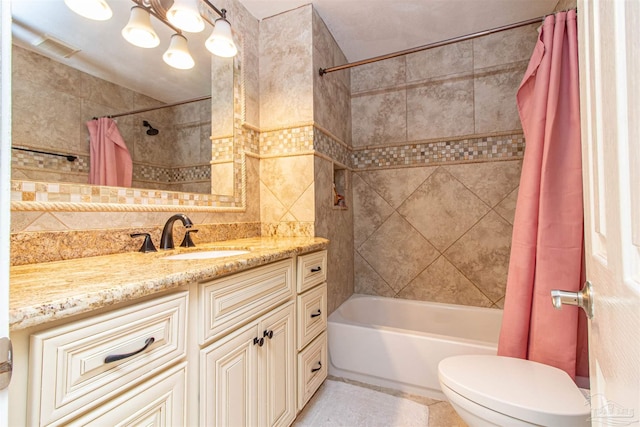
[{"x": 68, "y": 69}]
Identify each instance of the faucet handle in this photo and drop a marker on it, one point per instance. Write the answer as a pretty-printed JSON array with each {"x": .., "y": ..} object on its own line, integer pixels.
[
  {"x": 147, "y": 245},
  {"x": 187, "y": 242}
]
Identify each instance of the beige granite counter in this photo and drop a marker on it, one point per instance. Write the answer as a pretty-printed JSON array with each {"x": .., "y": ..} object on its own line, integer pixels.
[{"x": 49, "y": 291}]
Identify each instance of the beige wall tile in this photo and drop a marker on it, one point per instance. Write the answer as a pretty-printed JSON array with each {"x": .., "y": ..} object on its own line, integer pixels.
[
  {"x": 442, "y": 109},
  {"x": 395, "y": 185},
  {"x": 490, "y": 181},
  {"x": 286, "y": 82},
  {"x": 442, "y": 282},
  {"x": 396, "y": 252},
  {"x": 507, "y": 207},
  {"x": 379, "y": 118},
  {"x": 482, "y": 255},
  {"x": 378, "y": 75},
  {"x": 367, "y": 281},
  {"x": 442, "y": 209},
  {"x": 505, "y": 47},
  {"x": 495, "y": 101},
  {"x": 441, "y": 61},
  {"x": 369, "y": 210}
]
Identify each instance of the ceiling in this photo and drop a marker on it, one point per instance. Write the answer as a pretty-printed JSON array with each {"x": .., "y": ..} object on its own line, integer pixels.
[
  {"x": 368, "y": 28},
  {"x": 362, "y": 28}
]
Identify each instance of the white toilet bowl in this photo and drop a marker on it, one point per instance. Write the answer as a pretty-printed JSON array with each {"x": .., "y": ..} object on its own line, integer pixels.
[{"x": 505, "y": 391}]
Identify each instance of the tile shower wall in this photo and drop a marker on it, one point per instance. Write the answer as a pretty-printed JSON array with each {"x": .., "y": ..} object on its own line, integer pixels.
[
  {"x": 437, "y": 147},
  {"x": 55, "y": 121}
]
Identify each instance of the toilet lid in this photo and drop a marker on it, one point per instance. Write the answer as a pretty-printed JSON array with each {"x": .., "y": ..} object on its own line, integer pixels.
[{"x": 530, "y": 391}]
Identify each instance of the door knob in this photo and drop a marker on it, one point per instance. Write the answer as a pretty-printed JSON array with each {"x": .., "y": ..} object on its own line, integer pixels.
[{"x": 582, "y": 299}]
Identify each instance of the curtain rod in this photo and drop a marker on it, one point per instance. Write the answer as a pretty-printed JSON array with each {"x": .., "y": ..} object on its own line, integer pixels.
[
  {"x": 144, "y": 110},
  {"x": 324, "y": 71}
]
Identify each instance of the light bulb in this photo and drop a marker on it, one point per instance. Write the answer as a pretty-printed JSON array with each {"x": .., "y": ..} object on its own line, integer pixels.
[
  {"x": 139, "y": 31},
  {"x": 220, "y": 42},
  {"x": 178, "y": 55},
  {"x": 97, "y": 10},
  {"x": 184, "y": 14}
]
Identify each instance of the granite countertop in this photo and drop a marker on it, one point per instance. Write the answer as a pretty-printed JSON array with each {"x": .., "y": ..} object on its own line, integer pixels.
[{"x": 49, "y": 291}]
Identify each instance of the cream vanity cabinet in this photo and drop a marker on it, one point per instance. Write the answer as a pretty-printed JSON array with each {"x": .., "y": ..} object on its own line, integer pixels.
[
  {"x": 247, "y": 356},
  {"x": 247, "y": 349},
  {"x": 125, "y": 367},
  {"x": 311, "y": 324}
]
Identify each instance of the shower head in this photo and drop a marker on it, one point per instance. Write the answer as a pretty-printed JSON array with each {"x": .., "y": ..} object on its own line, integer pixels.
[{"x": 152, "y": 130}]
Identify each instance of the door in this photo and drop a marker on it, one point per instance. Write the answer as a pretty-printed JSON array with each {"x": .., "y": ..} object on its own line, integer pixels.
[
  {"x": 277, "y": 374},
  {"x": 609, "y": 40},
  {"x": 5, "y": 181},
  {"x": 229, "y": 381}
]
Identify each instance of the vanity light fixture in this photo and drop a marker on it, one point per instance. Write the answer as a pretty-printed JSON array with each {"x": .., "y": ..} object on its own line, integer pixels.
[
  {"x": 220, "y": 42},
  {"x": 139, "y": 31},
  {"x": 97, "y": 10},
  {"x": 178, "y": 55},
  {"x": 185, "y": 15}
]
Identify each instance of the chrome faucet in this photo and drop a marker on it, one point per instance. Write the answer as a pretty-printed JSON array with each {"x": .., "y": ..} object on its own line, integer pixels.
[{"x": 166, "y": 241}]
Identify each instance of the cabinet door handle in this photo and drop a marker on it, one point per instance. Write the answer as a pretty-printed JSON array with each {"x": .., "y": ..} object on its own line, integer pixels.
[
  {"x": 259, "y": 341},
  {"x": 318, "y": 368},
  {"x": 318, "y": 313},
  {"x": 268, "y": 334},
  {"x": 316, "y": 269},
  {"x": 116, "y": 357}
]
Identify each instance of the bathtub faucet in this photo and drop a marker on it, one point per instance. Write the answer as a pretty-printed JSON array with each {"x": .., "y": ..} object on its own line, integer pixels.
[{"x": 166, "y": 241}]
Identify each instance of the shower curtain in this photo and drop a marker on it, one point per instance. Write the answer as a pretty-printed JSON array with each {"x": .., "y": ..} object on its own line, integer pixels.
[
  {"x": 547, "y": 244},
  {"x": 109, "y": 162}
]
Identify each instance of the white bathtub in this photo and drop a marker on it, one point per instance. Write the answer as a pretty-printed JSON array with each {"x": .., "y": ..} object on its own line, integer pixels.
[{"x": 398, "y": 343}]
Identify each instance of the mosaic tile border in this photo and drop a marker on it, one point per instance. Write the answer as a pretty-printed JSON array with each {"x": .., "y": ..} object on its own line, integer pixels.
[
  {"x": 286, "y": 141},
  {"x": 31, "y": 195},
  {"x": 474, "y": 148},
  {"x": 23, "y": 159},
  {"x": 326, "y": 144}
]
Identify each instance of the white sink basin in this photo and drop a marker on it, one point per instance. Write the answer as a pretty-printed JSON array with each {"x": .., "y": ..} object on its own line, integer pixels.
[{"x": 206, "y": 254}]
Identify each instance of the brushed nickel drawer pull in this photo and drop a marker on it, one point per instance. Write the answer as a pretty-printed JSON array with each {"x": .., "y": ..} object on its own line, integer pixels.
[
  {"x": 116, "y": 357},
  {"x": 318, "y": 368}
]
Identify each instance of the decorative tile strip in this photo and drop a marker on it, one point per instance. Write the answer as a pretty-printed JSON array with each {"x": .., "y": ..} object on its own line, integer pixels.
[
  {"x": 330, "y": 147},
  {"x": 171, "y": 175},
  {"x": 25, "y": 159},
  {"x": 510, "y": 146},
  {"x": 222, "y": 149},
  {"x": 286, "y": 141},
  {"x": 80, "y": 197}
]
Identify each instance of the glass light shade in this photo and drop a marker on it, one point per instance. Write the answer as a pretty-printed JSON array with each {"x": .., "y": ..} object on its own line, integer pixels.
[
  {"x": 139, "y": 31},
  {"x": 178, "y": 55},
  {"x": 184, "y": 14},
  {"x": 97, "y": 10},
  {"x": 220, "y": 42}
]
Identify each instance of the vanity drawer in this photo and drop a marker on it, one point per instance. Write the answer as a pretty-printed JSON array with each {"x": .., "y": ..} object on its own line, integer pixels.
[
  {"x": 160, "y": 401},
  {"x": 312, "y": 314},
  {"x": 70, "y": 369},
  {"x": 312, "y": 270},
  {"x": 227, "y": 303},
  {"x": 312, "y": 369}
]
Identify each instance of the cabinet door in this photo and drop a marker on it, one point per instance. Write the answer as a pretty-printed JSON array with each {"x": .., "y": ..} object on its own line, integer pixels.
[
  {"x": 229, "y": 381},
  {"x": 277, "y": 368}
]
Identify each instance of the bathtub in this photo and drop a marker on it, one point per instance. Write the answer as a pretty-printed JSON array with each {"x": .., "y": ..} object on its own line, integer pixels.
[{"x": 398, "y": 343}]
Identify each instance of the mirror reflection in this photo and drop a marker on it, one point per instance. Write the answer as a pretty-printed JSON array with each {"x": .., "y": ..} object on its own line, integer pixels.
[{"x": 68, "y": 70}]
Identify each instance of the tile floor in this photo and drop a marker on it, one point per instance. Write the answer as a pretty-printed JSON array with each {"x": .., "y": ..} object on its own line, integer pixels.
[{"x": 441, "y": 414}]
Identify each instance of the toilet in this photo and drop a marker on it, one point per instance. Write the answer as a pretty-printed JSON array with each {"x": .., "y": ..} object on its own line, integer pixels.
[{"x": 505, "y": 391}]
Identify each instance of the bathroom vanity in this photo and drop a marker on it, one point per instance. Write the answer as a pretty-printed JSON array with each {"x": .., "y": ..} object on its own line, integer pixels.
[{"x": 137, "y": 338}]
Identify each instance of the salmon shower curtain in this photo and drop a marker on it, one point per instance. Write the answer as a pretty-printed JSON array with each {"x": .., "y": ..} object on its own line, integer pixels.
[
  {"x": 547, "y": 244},
  {"x": 109, "y": 161}
]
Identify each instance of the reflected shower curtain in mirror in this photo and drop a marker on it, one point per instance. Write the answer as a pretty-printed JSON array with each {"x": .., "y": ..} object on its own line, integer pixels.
[
  {"x": 547, "y": 244},
  {"x": 110, "y": 161}
]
